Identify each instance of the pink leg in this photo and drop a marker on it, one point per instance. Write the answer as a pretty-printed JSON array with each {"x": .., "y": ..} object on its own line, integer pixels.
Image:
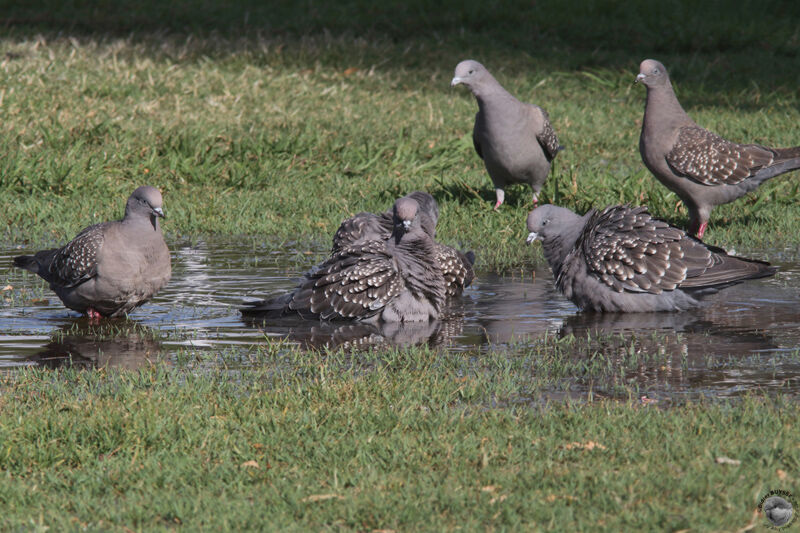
[
  {"x": 697, "y": 228},
  {"x": 500, "y": 193},
  {"x": 701, "y": 230},
  {"x": 93, "y": 314}
]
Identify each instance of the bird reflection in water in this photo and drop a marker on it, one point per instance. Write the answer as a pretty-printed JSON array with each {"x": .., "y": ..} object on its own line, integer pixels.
[{"x": 125, "y": 345}]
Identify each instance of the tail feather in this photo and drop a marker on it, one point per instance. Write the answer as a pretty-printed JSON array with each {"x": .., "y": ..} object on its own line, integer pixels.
[
  {"x": 776, "y": 169},
  {"x": 729, "y": 270},
  {"x": 787, "y": 153},
  {"x": 270, "y": 308}
]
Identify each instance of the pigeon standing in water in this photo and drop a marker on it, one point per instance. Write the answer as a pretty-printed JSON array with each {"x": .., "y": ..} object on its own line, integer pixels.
[{"x": 110, "y": 268}]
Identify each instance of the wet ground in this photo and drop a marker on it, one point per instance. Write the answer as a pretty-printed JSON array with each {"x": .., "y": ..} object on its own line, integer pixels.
[{"x": 746, "y": 338}]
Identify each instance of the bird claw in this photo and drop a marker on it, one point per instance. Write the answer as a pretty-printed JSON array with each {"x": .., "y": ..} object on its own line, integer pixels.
[{"x": 93, "y": 314}]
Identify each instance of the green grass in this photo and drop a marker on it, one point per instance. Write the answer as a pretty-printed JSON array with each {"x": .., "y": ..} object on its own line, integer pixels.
[
  {"x": 282, "y": 122},
  {"x": 409, "y": 445},
  {"x": 279, "y": 119}
]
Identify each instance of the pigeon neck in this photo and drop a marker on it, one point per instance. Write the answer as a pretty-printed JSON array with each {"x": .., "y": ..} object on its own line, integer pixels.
[
  {"x": 662, "y": 109},
  {"x": 141, "y": 221},
  {"x": 490, "y": 92},
  {"x": 557, "y": 247}
]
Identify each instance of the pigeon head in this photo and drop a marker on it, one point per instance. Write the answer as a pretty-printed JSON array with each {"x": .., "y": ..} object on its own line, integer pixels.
[
  {"x": 652, "y": 73},
  {"x": 405, "y": 214},
  {"x": 427, "y": 204},
  {"x": 547, "y": 221},
  {"x": 145, "y": 202},
  {"x": 470, "y": 73}
]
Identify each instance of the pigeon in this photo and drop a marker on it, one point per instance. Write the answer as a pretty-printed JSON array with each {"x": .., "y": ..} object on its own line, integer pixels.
[
  {"x": 515, "y": 140},
  {"x": 108, "y": 269},
  {"x": 373, "y": 280},
  {"x": 369, "y": 226},
  {"x": 702, "y": 168},
  {"x": 456, "y": 266},
  {"x": 621, "y": 259}
]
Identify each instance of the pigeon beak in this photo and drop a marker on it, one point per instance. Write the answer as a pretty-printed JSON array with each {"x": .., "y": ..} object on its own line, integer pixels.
[
  {"x": 639, "y": 78},
  {"x": 531, "y": 237},
  {"x": 406, "y": 225},
  {"x": 159, "y": 212},
  {"x": 455, "y": 81}
]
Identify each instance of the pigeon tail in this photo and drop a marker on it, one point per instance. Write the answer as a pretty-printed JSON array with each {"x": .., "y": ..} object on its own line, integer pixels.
[
  {"x": 787, "y": 153},
  {"x": 782, "y": 167},
  {"x": 270, "y": 308}
]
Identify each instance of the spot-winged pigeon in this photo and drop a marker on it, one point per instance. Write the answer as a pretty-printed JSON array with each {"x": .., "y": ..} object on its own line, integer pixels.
[
  {"x": 702, "y": 168},
  {"x": 515, "y": 140},
  {"x": 622, "y": 259},
  {"x": 108, "y": 269},
  {"x": 393, "y": 280},
  {"x": 456, "y": 266}
]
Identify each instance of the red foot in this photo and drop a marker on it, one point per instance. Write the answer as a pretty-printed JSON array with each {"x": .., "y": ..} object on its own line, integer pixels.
[
  {"x": 702, "y": 230},
  {"x": 93, "y": 314},
  {"x": 499, "y": 202},
  {"x": 697, "y": 229}
]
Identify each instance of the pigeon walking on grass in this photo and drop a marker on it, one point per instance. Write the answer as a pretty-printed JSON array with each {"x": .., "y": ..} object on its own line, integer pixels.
[
  {"x": 515, "y": 140},
  {"x": 455, "y": 265},
  {"x": 373, "y": 280},
  {"x": 110, "y": 268},
  {"x": 622, "y": 259},
  {"x": 702, "y": 168}
]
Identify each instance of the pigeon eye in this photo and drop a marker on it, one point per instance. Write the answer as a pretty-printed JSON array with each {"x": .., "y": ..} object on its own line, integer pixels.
[
  {"x": 544, "y": 222},
  {"x": 655, "y": 71},
  {"x": 471, "y": 71}
]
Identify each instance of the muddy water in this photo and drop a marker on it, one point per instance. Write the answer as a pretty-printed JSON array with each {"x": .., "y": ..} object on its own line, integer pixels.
[{"x": 747, "y": 338}]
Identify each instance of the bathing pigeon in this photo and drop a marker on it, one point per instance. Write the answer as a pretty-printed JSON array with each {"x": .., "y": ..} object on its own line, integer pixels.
[
  {"x": 456, "y": 266},
  {"x": 110, "y": 268},
  {"x": 377, "y": 280},
  {"x": 622, "y": 259},
  {"x": 702, "y": 168},
  {"x": 515, "y": 140}
]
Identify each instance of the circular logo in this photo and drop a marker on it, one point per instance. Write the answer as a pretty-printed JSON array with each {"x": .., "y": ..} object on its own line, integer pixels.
[{"x": 778, "y": 507}]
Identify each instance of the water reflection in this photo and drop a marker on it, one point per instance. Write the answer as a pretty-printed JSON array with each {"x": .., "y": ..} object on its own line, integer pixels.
[
  {"x": 745, "y": 337},
  {"x": 349, "y": 336},
  {"x": 84, "y": 344}
]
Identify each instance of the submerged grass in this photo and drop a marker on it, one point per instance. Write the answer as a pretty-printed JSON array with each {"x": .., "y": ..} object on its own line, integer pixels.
[{"x": 404, "y": 447}]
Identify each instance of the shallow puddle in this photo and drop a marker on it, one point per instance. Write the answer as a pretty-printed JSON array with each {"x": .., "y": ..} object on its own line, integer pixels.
[{"x": 746, "y": 338}]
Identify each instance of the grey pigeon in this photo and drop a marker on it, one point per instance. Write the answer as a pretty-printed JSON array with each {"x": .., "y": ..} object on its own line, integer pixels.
[
  {"x": 455, "y": 265},
  {"x": 702, "y": 168},
  {"x": 374, "y": 281},
  {"x": 515, "y": 140},
  {"x": 108, "y": 269},
  {"x": 622, "y": 259}
]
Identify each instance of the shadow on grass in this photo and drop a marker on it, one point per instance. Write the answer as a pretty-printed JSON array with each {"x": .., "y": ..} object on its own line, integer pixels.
[{"x": 705, "y": 41}]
